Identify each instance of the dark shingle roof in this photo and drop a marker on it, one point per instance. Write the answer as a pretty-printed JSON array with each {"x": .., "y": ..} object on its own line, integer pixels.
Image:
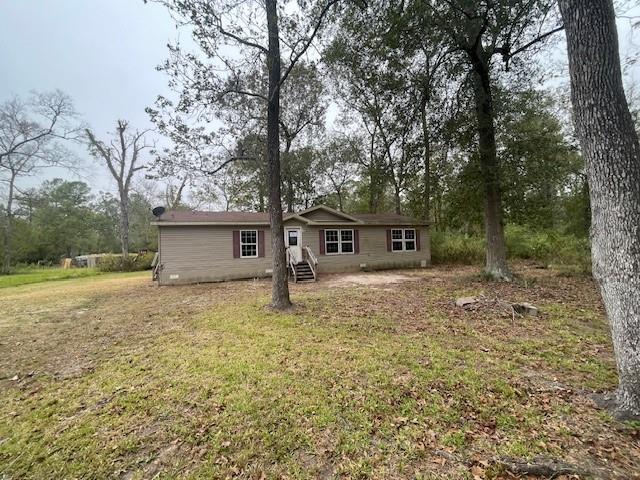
[
  {"x": 179, "y": 216},
  {"x": 226, "y": 217}
]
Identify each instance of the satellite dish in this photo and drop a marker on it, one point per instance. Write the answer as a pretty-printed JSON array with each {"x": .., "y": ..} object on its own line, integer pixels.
[{"x": 158, "y": 211}]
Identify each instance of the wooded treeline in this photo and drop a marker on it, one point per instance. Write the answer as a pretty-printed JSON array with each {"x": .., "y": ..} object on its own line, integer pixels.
[
  {"x": 381, "y": 116},
  {"x": 63, "y": 218},
  {"x": 433, "y": 110},
  {"x": 544, "y": 183}
]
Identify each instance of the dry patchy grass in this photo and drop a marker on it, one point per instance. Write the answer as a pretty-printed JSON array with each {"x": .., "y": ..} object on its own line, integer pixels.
[
  {"x": 117, "y": 378},
  {"x": 45, "y": 274}
]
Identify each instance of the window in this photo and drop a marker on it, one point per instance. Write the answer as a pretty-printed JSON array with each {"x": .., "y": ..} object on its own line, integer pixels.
[
  {"x": 293, "y": 238},
  {"x": 410, "y": 240},
  {"x": 403, "y": 240},
  {"x": 248, "y": 243},
  {"x": 338, "y": 241},
  {"x": 346, "y": 241},
  {"x": 396, "y": 240}
]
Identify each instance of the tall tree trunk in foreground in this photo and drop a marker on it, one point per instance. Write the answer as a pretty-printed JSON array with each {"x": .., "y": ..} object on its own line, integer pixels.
[
  {"x": 289, "y": 193},
  {"x": 280, "y": 287},
  {"x": 397, "y": 198},
  {"x": 612, "y": 153},
  {"x": 427, "y": 157},
  {"x": 496, "y": 256}
]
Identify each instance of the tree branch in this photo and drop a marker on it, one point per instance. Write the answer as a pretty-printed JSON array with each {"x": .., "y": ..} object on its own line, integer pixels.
[
  {"x": 507, "y": 55},
  {"x": 228, "y": 162},
  {"x": 240, "y": 40},
  {"x": 308, "y": 42}
]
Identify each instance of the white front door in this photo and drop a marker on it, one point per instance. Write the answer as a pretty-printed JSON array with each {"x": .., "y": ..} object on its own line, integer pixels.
[{"x": 293, "y": 240}]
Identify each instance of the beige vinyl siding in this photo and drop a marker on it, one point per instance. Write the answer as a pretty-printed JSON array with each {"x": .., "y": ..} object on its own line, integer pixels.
[
  {"x": 324, "y": 216},
  {"x": 373, "y": 250},
  {"x": 205, "y": 254}
]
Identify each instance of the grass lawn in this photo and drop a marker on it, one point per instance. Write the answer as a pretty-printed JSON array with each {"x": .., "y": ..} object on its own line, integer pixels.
[
  {"x": 45, "y": 274},
  {"x": 113, "y": 377},
  {"x": 48, "y": 274}
]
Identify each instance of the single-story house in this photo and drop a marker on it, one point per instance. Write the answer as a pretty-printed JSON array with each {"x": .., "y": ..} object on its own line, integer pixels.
[{"x": 198, "y": 247}]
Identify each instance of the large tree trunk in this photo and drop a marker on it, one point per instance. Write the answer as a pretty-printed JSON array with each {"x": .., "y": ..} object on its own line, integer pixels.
[
  {"x": 289, "y": 193},
  {"x": 373, "y": 172},
  {"x": 8, "y": 228},
  {"x": 262, "y": 194},
  {"x": 375, "y": 195},
  {"x": 436, "y": 191},
  {"x": 280, "y": 286},
  {"x": 372, "y": 190},
  {"x": 397, "y": 199},
  {"x": 496, "y": 257},
  {"x": 612, "y": 153},
  {"x": 376, "y": 185},
  {"x": 427, "y": 158}
]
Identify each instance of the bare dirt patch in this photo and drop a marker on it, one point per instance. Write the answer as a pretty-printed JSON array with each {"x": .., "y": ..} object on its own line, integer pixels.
[{"x": 369, "y": 279}]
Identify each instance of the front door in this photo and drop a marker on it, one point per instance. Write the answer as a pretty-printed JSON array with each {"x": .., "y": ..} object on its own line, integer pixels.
[{"x": 293, "y": 240}]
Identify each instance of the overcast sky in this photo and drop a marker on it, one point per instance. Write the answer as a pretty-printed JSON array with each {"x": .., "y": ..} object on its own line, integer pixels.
[{"x": 103, "y": 53}]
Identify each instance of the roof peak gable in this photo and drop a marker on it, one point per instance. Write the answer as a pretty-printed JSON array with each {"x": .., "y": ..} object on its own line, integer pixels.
[{"x": 330, "y": 211}]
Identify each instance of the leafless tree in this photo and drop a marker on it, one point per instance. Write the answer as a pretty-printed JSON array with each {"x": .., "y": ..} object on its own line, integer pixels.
[
  {"x": 36, "y": 121},
  {"x": 121, "y": 155},
  {"x": 30, "y": 139},
  {"x": 174, "y": 192}
]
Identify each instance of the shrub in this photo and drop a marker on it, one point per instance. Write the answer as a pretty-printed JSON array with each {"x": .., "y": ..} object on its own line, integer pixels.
[
  {"x": 453, "y": 247},
  {"x": 112, "y": 263},
  {"x": 548, "y": 247},
  {"x": 528, "y": 244},
  {"x": 544, "y": 246},
  {"x": 132, "y": 263},
  {"x": 572, "y": 253}
]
